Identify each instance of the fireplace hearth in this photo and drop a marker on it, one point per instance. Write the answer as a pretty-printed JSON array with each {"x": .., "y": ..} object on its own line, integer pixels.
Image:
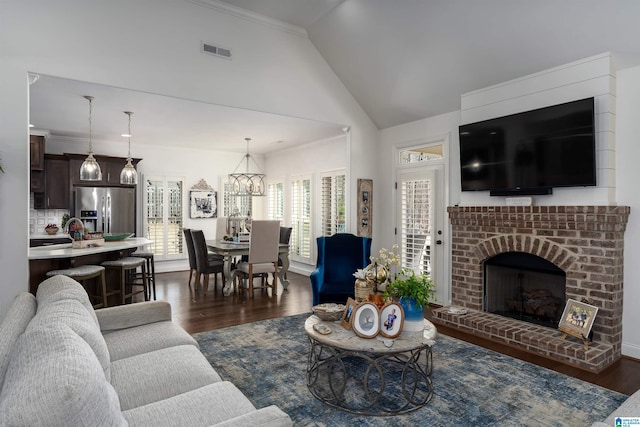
[{"x": 581, "y": 246}]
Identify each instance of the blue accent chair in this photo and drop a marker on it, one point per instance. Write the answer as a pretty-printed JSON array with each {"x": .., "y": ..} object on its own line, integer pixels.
[{"x": 339, "y": 256}]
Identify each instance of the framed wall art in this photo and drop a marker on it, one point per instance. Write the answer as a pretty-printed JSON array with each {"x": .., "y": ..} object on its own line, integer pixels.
[
  {"x": 365, "y": 206},
  {"x": 366, "y": 320},
  {"x": 203, "y": 201}
]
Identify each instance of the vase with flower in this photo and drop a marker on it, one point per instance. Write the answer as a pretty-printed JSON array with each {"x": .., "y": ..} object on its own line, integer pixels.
[
  {"x": 372, "y": 280},
  {"x": 413, "y": 291}
]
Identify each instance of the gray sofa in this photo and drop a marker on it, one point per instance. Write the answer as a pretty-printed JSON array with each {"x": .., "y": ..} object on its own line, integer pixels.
[
  {"x": 629, "y": 408},
  {"x": 62, "y": 363}
]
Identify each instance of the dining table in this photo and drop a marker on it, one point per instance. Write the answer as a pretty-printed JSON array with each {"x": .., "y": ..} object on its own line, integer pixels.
[{"x": 231, "y": 249}]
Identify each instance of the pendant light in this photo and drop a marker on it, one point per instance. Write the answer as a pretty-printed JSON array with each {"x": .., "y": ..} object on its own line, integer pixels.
[
  {"x": 129, "y": 175},
  {"x": 90, "y": 169},
  {"x": 247, "y": 184}
]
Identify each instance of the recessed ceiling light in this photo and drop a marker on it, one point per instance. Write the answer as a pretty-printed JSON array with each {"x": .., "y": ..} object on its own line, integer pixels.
[
  {"x": 30, "y": 125},
  {"x": 126, "y": 135}
]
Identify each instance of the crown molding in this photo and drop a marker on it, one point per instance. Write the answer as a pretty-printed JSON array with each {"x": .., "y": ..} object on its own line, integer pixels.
[{"x": 251, "y": 16}]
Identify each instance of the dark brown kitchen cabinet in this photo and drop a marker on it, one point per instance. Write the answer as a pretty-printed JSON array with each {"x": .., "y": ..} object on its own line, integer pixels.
[
  {"x": 36, "y": 152},
  {"x": 56, "y": 184}
]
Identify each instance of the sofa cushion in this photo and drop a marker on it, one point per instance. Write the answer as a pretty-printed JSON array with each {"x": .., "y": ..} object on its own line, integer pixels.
[
  {"x": 13, "y": 325},
  {"x": 57, "y": 288},
  {"x": 55, "y": 379},
  {"x": 73, "y": 314},
  {"x": 160, "y": 374},
  {"x": 129, "y": 342},
  {"x": 195, "y": 409}
]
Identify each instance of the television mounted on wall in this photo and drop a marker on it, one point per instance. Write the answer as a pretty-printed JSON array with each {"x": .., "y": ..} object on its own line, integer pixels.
[{"x": 532, "y": 152}]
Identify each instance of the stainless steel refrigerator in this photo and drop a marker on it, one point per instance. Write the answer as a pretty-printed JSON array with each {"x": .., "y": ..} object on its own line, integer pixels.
[{"x": 106, "y": 209}]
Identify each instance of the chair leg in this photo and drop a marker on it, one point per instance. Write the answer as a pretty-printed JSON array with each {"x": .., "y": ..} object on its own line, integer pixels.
[
  {"x": 206, "y": 283},
  {"x": 275, "y": 279},
  {"x": 190, "y": 276},
  {"x": 103, "y": 286},
  {"x": 250, "y": 279},
  {"x": 123, "y": 286}
]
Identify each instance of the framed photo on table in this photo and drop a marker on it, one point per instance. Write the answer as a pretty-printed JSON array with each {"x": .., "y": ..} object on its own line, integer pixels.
[
  {"x": 391, "y": 320},
  {"x": 577, "y": 318},
  {"x": 366, "y": 320},
  {"x": 349, "y": 307}
]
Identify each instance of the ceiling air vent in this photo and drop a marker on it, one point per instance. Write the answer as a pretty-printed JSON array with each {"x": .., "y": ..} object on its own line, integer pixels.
[{"x": 216, "y": 50}]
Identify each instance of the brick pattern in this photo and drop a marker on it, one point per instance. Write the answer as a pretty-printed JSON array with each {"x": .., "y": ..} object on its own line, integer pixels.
[{"x": 586, "y": 242}]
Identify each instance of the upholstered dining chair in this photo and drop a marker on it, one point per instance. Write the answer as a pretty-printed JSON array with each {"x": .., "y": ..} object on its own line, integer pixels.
[
  {"x": 205, "y": 264},
  {"x": 285, "y": 237},
  {"x": 263, "y": 256},
  {"x": 193, "y": 268}
]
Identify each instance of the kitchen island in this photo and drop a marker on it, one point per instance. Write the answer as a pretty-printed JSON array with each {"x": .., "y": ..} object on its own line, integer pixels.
[{"x": 54, "y": 257}]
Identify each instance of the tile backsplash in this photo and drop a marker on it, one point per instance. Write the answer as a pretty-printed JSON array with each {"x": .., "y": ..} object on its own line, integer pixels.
[{"x": 39, "y": 218}]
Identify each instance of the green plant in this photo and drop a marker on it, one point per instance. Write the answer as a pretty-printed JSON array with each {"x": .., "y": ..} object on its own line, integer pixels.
[{"x": 408, "y": 284}]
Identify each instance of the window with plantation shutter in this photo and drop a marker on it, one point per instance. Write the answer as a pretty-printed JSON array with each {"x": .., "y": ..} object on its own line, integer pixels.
[
  {"x": 164, "y": 216},
  {"x": 275, "y": 195},
  {"x": 333, "y": 201},
  {"x": 235, "y": 205},
  {"x": 300, "y": 242}
]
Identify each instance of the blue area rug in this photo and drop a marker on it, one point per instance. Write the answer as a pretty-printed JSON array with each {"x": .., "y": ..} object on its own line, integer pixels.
[{"x": 473, "y": 386}]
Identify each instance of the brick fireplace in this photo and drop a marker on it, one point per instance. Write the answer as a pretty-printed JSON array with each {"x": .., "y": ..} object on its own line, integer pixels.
[{"x": 585, "y": 242}]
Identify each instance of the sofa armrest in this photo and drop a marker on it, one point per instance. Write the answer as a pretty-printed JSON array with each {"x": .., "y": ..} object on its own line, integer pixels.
[
  {"x": 131, "y": 315},
  {"x": 271, "y": 416}
]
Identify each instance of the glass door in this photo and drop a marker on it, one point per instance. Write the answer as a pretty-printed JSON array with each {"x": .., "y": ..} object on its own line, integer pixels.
[{"x": 420, "y": 221}]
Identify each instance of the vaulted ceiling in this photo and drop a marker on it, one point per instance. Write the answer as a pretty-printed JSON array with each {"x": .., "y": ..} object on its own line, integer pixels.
[
  {"x": 402, "y": 60},
  {"x": 405, "y": 60}
]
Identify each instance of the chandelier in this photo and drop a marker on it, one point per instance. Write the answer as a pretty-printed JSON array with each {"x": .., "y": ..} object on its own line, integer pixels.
[
  {"x": 90, "y": 169},
  {"x": 247, "y": 183},
  {"x": 129, "y": 175}
]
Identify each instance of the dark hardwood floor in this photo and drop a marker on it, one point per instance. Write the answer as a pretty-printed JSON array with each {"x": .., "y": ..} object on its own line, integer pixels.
[{"x": 196, "y": 312}]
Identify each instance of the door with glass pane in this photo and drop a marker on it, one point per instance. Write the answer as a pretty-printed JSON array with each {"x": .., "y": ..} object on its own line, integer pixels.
[
  {"x": 164, "y": 216},
  {"x": 420, "y": 216}
]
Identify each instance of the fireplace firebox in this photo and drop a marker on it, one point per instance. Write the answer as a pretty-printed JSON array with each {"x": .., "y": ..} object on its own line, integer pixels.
[{"x": 524, "y": 287}]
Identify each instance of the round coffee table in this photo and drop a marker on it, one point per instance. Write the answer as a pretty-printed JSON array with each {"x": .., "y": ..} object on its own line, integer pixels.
[{"x": 375, "y": 376}]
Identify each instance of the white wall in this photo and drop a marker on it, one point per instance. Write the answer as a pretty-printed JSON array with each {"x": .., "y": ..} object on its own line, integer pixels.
[
  {"x": 628, "y": 177},
  {"x": 153, "y": 46},
  {"x": 309, "y": 160}
]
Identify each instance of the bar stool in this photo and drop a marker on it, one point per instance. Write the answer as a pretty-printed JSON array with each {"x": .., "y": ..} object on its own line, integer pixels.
[
  {"x": 151, "y": 270},
  {"x": 129, "y": 265},
  {"x": 83, "y": 273}
]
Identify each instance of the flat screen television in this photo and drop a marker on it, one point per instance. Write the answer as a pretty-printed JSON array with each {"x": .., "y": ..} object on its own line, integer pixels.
[{"x": 530, "y": 152}]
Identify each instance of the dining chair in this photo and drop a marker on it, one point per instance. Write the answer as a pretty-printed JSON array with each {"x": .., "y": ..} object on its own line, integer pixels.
[
  {"x": 221, "y": 227},
  {"x": 206, "y": 263},
  {"x": 263, "y": 256},
  {"x": 285, "y": 237},
  {"x": 193, "y": 268}
]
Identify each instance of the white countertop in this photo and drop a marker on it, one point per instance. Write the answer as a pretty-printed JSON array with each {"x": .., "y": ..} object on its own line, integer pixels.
[
  {"x": 66, "y": 251},
  {"x": 58, "y": 235}
]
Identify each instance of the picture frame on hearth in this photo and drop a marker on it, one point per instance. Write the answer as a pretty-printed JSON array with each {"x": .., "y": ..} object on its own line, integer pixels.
[
  {"x": 347, "y": 314},
  {"x": 577, "y": 318},
  {"x": 365, "y": 320},
  {"x": 391, "y": 320}
]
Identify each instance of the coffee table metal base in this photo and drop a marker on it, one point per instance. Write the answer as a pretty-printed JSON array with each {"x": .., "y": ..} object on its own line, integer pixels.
[{"x": 370, "y": 383}]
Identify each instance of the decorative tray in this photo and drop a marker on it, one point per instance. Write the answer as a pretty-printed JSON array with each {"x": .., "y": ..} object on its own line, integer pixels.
[{"x": 115, "y": 237}]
